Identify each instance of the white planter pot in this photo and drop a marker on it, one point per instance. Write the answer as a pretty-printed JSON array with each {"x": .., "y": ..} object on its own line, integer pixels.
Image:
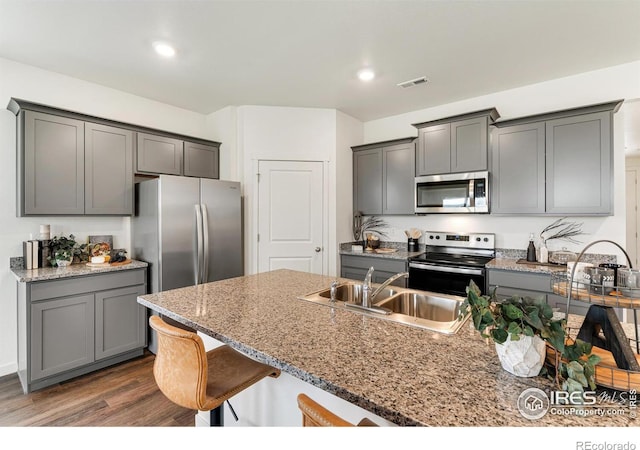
[{"x": 524, "y": 357}]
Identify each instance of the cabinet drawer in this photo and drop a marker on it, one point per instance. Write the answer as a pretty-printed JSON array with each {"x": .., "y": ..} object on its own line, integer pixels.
[
  {"x": 507, "y": 292},
  {"x": 45, "y": 290},
  {"x": 380, "y": 264},
  {"x": 520, "y": 280}
]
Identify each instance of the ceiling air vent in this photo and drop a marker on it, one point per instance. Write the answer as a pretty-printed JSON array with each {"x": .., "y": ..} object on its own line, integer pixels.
[{"x": 414, "y": 82}]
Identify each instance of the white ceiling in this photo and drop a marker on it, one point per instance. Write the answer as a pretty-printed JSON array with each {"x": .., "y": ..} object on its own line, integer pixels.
[{"x": 307, "y": 53}]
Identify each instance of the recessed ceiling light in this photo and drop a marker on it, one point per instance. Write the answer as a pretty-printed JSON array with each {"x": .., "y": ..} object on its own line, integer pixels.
[
  {"x": 366, "y": 74},
  {"x": 164, "y": 49}
]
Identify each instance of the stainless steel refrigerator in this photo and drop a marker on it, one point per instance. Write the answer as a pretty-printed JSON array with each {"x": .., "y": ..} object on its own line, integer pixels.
[{"x": 189, "y": 230}]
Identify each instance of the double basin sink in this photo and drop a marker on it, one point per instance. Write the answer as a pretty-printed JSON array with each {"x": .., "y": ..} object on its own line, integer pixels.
[{"x": 422, "y": 309}]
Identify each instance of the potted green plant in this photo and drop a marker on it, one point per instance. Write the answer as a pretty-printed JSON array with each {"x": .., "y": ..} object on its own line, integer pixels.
[
  {"x": 62, "y": 250},
  {"x": 521, "y": 328}
]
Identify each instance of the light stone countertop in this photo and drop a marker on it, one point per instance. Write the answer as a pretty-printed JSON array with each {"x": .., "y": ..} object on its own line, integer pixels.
[
  {"x": 401, "y": 252},
  {"x": 512, "y": 264},
  {"x": 406, "y": 375},
  {"x": 74, "y": 270}
]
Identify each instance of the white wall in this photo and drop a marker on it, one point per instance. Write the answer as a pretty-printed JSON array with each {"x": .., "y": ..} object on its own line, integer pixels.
[
  {"x": 222, "y": 127},
  {"x": 349, "y": 132},
  {"x": 283, "y": 133},
  {"x": 619, "y": 82},
  {"x": 40, "y": 86}
]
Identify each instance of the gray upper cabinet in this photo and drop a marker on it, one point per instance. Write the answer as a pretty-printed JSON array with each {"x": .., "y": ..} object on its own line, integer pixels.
[
  {"x": 398, "y": 168},
  {"x": 108, "y": 170},
  {"x": 559, "y": 163},
  {"x": 159, "y": 154},
  {"x": 469, "y": 145},
  {"x": 201, "y": 160},
  {"x": 383, "y": 177},
  {"x": 579, "y": 164},
  {"x": 51, "y": 167},
  {"x": 518, "y": 169},
  {"x": 367, "y": 181},
  {"x": 70, "y": 163},
  {"x": 433, "y": 155},
  {"x": 454, "y": 144}
]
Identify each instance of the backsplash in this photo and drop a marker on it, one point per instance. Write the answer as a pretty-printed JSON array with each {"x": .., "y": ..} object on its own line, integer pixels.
[
  {"x": 516, "y": 253},
  {"x": 16, "y": 262}
]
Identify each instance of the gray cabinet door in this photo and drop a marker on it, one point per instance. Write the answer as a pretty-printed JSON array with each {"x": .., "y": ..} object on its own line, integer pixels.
[
  {"x": 53, "y": 178},
  {"x": 579, "y": 166},
  {"x": 367, "y": 181},
  {"x": 120, "y": 321},
  {"x": 108, "y": 170},
  {"x": 433, "y": 155},
  {"x": 62, "y": 333},
  {"x": 518, "y": 169},
  {"x": 159, "y": 154},
  {"x": 201, "y": 161},
  {"x": 398, "y": 169},
  {"x": 469, "y": 145}
]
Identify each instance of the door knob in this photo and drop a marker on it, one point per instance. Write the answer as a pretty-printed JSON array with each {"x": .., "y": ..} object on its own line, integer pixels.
[{"x": 318, "y": 249}]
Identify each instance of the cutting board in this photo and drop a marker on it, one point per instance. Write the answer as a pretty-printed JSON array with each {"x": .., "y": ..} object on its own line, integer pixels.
[{"x": 113, "y": 264}]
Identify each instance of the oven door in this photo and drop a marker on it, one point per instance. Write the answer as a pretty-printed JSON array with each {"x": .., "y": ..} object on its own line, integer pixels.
[{"x": 445, "y": 279}]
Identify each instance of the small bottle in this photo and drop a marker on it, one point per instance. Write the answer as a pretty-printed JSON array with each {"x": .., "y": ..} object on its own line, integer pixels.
[
  {"x": 544, "y": 253},
  {"x": 531, "y": 250}
]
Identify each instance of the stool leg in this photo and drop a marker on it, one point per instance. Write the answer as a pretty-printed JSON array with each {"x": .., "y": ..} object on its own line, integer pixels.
[{"x": 216, "y": 416}]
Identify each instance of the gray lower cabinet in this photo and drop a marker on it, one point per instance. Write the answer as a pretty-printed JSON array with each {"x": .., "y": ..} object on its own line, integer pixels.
[
  {"x": 72, "y": 326},
  {"x": 51, "y": 168},
  {"x": 201, "y": 160},
  {"x": 158, "y": 154},
  {"x": 454, "y": 144},
  {"x": 518, "y": 169},
  {"x": 356, "y": 267},
  {"x": 383, "y": 177},
  {"x": 108, "y": 170},
  {"x": 535, "y": 285}
]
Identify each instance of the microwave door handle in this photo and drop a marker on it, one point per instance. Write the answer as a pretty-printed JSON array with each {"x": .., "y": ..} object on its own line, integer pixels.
[
  {"x": 461, "y": 270},
  {"x": 472, "y": 193}
]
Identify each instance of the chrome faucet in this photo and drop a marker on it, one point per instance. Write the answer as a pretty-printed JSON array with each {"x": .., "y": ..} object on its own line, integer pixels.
[{"x": 367, "y": 295}]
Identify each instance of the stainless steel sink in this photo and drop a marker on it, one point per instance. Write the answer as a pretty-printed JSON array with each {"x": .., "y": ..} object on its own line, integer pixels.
[
  {"x": 352, "y": 293},
  {"x": 435, "y": 312}
]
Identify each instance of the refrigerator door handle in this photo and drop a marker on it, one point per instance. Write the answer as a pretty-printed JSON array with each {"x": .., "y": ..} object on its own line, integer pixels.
[
  {"x": 205, "y": 243},
  {"x": 198, "y": 254}
]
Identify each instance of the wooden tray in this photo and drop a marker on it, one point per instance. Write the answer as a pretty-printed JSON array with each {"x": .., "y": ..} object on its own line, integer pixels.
[
  {"x": 615, "y": 298},
  {"x": 607, "y": 373},
  {"x": 113, "y": 264},
  {"x": 385, "y": 250}
]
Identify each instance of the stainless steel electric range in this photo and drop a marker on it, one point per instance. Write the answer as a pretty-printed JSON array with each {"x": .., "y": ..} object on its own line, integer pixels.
[{"x": 451, "y": 261}]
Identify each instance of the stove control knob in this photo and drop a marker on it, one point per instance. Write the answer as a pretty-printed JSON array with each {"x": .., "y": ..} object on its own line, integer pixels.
[
  {"x": 430, "y": 237},
  {"x": 478, "y": 239},
  {"x": 437, "y": 237},
  {"x": 486, "y": 239}
]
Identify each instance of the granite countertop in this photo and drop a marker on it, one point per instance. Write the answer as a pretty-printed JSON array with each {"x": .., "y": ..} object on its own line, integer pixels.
[
  {"x": 400, "y": 253},
  {"x": 407, "y": 375},
  {"x": 505, "y": 263},
  {"x": 74, "y": 270}
]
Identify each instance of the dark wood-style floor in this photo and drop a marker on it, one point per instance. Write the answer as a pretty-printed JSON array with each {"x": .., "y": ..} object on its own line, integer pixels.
[{"x": 122, "y": 395}]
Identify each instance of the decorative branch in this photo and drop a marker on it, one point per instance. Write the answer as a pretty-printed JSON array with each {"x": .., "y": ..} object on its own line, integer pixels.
[
  {"x": 370, "y": 224},
  {"x": 561, "y": 229}
]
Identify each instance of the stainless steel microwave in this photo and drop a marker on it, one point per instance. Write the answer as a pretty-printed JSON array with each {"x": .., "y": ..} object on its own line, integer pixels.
[{"x": 466, "y": 193}]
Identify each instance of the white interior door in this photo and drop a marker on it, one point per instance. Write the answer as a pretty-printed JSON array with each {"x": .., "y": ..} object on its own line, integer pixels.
[
  {"x": 632, "y": 216},
  {"x": 290, "y": 216}
]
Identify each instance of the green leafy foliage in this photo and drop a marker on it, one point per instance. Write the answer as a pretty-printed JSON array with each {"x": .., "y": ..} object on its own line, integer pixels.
[
  {"x": 517, "y": 316},
  {"x": 66, "y": 248}
]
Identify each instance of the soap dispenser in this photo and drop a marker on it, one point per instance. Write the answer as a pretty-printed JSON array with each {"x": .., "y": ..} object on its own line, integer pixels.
[{"x": 531, "y": 250}]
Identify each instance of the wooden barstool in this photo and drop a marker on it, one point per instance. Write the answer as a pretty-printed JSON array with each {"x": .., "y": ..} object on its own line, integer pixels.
[
  {"x": 195, "y": 379},
  {"x": 316, "y": 415}
]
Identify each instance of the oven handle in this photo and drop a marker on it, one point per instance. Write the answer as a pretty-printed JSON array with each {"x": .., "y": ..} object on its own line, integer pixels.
[{"x": 447, "y": 269}]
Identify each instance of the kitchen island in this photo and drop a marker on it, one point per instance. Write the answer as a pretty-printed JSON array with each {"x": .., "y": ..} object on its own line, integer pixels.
[{"x": 405, "y": 375}]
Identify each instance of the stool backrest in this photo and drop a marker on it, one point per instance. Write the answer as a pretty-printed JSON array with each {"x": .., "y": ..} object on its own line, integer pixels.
[{"x": 180, "y": 367}]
